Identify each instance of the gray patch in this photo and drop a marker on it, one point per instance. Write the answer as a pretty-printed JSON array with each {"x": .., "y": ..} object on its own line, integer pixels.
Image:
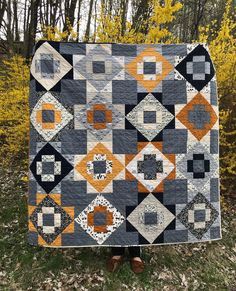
[
  {"x": 175, "y": 141},
  {"x": 125, "y": 141},
  {"x": 199, "y": 215},
  {"x": 150, "y": 218},
  {"x": 149, "y": 68},
  {"x": 149, "y": 116},
  {"x": 124, "y": 92},
  {"x": 199, "y": 117},
  {"x": 99, "y": 218},
  {"x": 174, "y": 92},
  {"x": 214, "y": 141},
  {"x": 99, "y": 167},
  {"x": 175, "y": 191},
  {"x": 48, "y": 116},
  {"x": 198, "y": 166},
  {"x": 98, "y": 67},
  {"x": 99, "y": 116},
  {"x": 47, "y": 168}
]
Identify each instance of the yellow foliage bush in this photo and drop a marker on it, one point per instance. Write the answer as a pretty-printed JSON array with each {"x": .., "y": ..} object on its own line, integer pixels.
[
  {"x": 222, "y": 45},
  {"x": 14, "y": 109},
  {"x": 54, "y": 33},
  {"x": 110, "y": 27},
  {"x": 162, "y": 15},
  {"x": 110, "y": 30}
]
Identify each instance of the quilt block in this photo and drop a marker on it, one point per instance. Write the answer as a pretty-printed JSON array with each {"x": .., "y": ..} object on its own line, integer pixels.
[{"x": 123, "y": 145}]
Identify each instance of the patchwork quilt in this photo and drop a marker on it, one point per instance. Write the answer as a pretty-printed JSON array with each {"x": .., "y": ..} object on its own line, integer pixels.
[{"x": 123, "y": 145}]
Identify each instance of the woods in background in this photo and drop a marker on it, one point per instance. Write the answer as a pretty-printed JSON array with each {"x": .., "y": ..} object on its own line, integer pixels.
[{"x": 25, "y": 20}]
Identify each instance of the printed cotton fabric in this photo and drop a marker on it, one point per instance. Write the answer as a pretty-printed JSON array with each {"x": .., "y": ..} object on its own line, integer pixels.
[{"x": 123, "y": 145}]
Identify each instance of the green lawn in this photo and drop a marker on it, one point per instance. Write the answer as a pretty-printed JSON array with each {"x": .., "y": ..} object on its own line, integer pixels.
[{"x": 205, "y": 266}]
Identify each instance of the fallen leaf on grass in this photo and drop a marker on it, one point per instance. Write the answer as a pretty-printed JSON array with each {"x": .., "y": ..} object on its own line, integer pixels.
[
  {"x": 165, "y": 276},
  {"x": 184, "y": 281}
]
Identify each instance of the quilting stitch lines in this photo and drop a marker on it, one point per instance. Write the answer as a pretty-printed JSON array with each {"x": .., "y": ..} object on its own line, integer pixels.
[{"x": 123, "y": 145}]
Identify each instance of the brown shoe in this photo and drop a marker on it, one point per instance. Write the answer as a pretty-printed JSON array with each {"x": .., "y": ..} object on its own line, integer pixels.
[
  {"x": 136, "y": 266},
  {"x": 113, "y": 264}
]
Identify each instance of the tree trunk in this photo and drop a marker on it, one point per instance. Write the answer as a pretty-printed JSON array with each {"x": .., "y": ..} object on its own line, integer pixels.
[
  {"x": 87, "y": 32},
  {"x": 124, "y": 10},
  {"x": 69, "y": 14},
  {"x": 3, "y": 6},
  {"x": 78, "y": 19},
  {"x": 17, "y": 34},
  {"x": 32, "y": 27}
]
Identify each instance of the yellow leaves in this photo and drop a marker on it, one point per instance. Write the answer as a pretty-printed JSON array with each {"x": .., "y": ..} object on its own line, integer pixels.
[
  {"x": 14, "y": 111},
  {"x": 24, "y": 179},
  {"x": 223, "y": 203},
  {"x": 110, "y": 30},
  {"x": 222, "y": 45},
  {"x": 110, "y": 27},
  {"x": 164, "y": 13},
  {"x": 55, "y": 34}
]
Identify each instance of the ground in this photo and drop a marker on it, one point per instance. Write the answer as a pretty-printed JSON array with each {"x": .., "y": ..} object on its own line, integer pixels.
[{"x": 202, "y": 266}]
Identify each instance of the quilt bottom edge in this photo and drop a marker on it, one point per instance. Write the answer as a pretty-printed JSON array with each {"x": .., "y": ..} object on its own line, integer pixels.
[{"x": 131, "y": 245}]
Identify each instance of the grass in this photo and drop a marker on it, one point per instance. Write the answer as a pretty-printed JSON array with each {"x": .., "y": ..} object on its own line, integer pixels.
[{"x": 202, "y": 266}]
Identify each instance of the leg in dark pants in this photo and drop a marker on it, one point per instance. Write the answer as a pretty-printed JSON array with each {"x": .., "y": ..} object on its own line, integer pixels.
[
  {"x": 120, "y": 251},
  {"x": 134, "y": 251}
]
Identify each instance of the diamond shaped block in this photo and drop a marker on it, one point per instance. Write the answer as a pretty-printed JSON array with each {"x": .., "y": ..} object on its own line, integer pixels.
[
  {"x": 99, "y": 117},
  {"x": 49, "y": 167},
  {"x": 49, "y": 219},
  {"x": 150, "y": 218},
  {"x": 198, "y": 215},
  {"x": 49, "y": 116},
  {"x": 98, "y": 67},
  {"x": 100, "y": 219},
  {"x": 149, "y": 68},
  {"x": 48, "y": 67},
  {"x": 99, "y": 167},
  {"x": 150, "y": 167},
  {"x": 197, "y": 68},
  {"x": 150, "y": 117},
  {"x": 198, "y": 116},
  {"x": 198, "y": 166}
]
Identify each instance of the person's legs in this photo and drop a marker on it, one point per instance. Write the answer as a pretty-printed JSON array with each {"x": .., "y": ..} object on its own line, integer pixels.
[
  {"x": 117, "y": 251},
  {"x": 134, "y": 252},
  {"x": 137, "y": 264}
]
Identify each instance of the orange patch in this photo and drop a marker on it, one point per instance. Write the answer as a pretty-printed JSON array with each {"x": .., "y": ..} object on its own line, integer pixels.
[
  {"x": 39, "y": 116},
  {"x": 109, "y": 116},
  {"x": 100, "y": 126},
  {"x": 100, "y": 228},
  {"x": 100, "y": 107},
  {"x": 90, "y": 116}
]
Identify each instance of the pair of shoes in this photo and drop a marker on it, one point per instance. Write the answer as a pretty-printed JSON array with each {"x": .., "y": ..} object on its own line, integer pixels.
[
  {"x": 137, "y": 266},
  {"x": 113, "y": 264}
]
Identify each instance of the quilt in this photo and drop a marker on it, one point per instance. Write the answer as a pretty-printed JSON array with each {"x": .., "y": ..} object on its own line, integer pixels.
[{"x": 123, "y": 146}]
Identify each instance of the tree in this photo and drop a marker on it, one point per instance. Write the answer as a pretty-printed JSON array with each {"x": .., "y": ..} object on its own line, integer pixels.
[
  {"x": 30, "y": 37},
  {"x": 87, "y": 33}
]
